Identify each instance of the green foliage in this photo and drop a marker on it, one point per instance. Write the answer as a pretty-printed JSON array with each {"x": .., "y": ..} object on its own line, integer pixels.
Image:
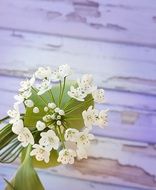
[{"x": 26, "y": 177}]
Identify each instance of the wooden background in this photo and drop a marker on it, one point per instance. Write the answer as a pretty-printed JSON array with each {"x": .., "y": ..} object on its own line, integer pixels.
[{"x": 115, "y": 40}]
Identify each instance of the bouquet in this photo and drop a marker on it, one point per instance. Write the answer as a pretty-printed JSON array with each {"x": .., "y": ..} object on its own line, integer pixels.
[{"x": 53, "y": 126}]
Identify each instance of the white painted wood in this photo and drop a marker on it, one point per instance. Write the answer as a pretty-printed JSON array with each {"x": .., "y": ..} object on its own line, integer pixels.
[
  {"x": 110, "y": 20},
  {"x": 54, "y": 182},
  {"x": 123, "y": 164},
  {"x": 114, "y": 66}
]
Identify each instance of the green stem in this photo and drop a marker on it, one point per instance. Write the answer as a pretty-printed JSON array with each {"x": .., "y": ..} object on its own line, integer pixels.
[
  {"x": 77, "y": 106},
  {"x": 39, "y": 96},
  {"x": 68, "y": 103},
  {"x": 52, "y": 96},
  {"x": 60, "y": 93},
  {"x": 60, "y": 135},
  {"x": 64, "y": 82},
  {"x": 74, "y": 118}
]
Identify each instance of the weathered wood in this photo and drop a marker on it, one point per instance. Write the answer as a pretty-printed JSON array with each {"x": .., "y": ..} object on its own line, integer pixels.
[
  {"x": 120, "y": 21},
  {"x": 127, "y": 119},
  {"x": 119, "y": 163},
  {"x": 55, "y": 182},
  {"x": 114, "y": 66}
]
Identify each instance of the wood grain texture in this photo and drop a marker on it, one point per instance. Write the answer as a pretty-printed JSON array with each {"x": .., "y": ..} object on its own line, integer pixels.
[
  {"x": 115, "y": 66},
  {"x": 110, "y": 20},
  {"x": 121, "y": 164}
]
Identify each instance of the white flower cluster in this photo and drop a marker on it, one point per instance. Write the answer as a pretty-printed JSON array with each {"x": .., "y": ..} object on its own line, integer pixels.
[
  {"x": 85, "y": 87},
  {"x": 94, "y": 117},
  {"x": 52, "y": 130}
]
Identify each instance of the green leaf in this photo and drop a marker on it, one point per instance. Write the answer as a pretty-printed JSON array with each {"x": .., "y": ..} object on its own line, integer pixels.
[{"x": 26, "y": 177}]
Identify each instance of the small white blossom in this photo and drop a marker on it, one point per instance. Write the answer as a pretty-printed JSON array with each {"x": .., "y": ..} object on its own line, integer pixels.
[
  {"x": 14, "y": 114},
  {"x": 44, "y": 86},
  {"x": 29, "y": 103},
  {"x": 98, "y": 95},
  {"x": 46, "y": 108},
  {"x": 76, "y": 93},
  {"x": 36, "y": 110},
  {"x": 61, "y": 112},
  {"x": 58, "y": 122},
  {"x": 43, "y": 73},
  {"x": 60, "y": 73},
  {"x": 81, "y": 153},
  {"x": 66, "y": 156},
  {"x": 102, "y": 119},
  {"x": 49, "y": 140},
  {"x": 86, "y": 84},
  {"x": 71, "y": 135},
  {"x": 26, "y": 94},
  {"x": 57, "y": 110},
  {"x": 64, "y": 71},
  {"x": 19, "y": 98},
  {"x": 25, "y": 89},
  {"x": 84, "y": 138},
  {"x": 47, "y": 118},
  {"x": 17, "y": 126},
  {"x": 25, "y": 137},
  {"x": 40, "y": 153},
  {"x": 90, "y": 116},
  {"x": 40, "y": 125},
  {"x": 52, "y": 105},
  {"x": 55, "y": 77}
]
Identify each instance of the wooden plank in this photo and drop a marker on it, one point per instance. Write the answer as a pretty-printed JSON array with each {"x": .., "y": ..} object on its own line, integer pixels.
[
  {"x": 54, "y": 182},
  {"x": 123, "y": 164},
  {"x": 114, "y": 66},
  {"x": 133, "y": 119},
  {"x": 131, "y": 22}
]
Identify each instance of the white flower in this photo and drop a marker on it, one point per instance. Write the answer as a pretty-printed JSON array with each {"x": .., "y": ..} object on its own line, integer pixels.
[
  {"x": 61, "y": 112},
  {"x": 40, "y": 153},
  {"x": 84, "y": 138},
  {"x": 29, "y": 103},
  {"x": 26, "y": 84},
  {"x": 49, "y": 140},
  {"x": 40, "y": 125},
  {"x": 19, "y": 98},
  {"x": 36, "y": 110},
  {"x": 44, "y": 86},
  {"x": 52, "y": 105},
  {"x": 86, "y": 84},
  {"x": 17, "y": 126},
  {"x": 98, "y": 95},
  {"x": 26, "y": 94},
  {"x": 76, "y": 93},
  {"x": 25, "y": 89},
  {"x": 14, "y": 114},
  {"x": 46, "y": 108},
  {"x": 66, "y": 156},
  {"x": 81, "y": 153},
  {"x": 60, "y": 73},
  {"x": 102, "y": 119},
  {"x": 71, "y": 134},
  {"x": 43, "y": 73},
  {"x": 64, "y": 71},
  {"x": 55, "y": 76},
  {"x": 25, "y": 137},
  {"x": 47, "y": 118},
  {"x": 90, "y": 116}
]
